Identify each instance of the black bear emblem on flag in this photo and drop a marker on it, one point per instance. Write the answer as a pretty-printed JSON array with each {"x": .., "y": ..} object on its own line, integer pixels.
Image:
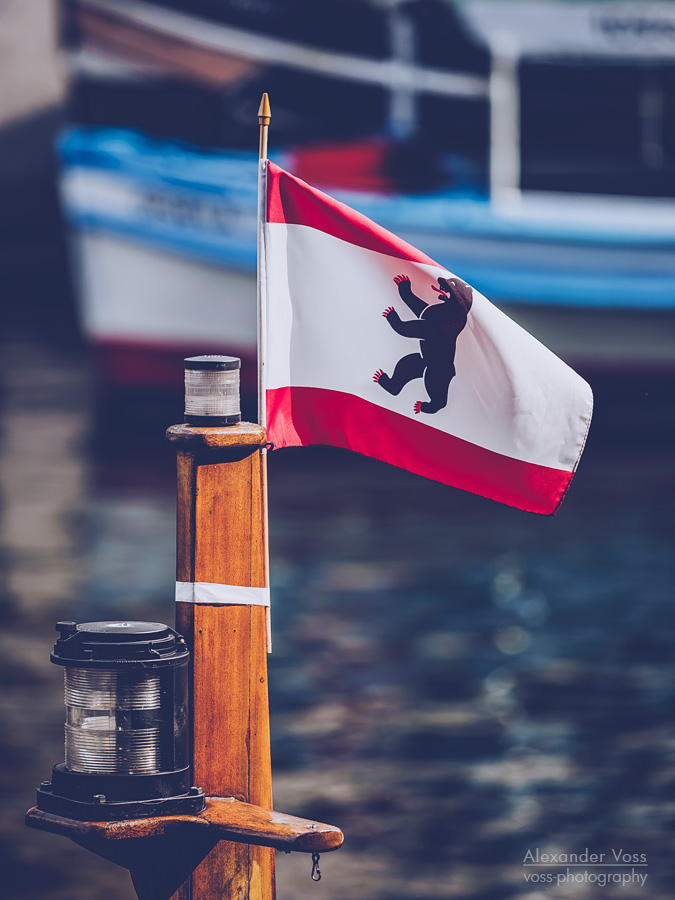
[{"x": 437, "y": 328}]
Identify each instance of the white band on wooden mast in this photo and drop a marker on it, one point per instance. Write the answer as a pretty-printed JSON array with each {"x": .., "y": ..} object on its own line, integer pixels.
[{"x": 221, "y": 594}]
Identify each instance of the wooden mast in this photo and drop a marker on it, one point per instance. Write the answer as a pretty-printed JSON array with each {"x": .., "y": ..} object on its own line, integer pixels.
[{"x": 221, "y": 540}]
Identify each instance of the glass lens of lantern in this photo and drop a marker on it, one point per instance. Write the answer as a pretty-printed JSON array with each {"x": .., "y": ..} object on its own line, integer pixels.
[
  {"x": 114, "y": 720},
  {"x": 211, "y": 392}
]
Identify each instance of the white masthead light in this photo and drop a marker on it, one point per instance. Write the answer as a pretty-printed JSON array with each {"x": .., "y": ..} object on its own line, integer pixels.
[{"x": 212, "y": 390}]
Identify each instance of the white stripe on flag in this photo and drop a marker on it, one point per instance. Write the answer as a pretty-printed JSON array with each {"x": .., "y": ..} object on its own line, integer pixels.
[{"x": 508, "y": 388}]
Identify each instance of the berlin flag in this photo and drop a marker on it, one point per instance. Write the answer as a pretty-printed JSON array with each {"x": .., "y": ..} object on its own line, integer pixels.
[{"x": 371, "y": 345}]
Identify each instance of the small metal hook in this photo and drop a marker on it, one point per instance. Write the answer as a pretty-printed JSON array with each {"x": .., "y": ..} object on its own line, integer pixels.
[{"x": 316, "y": 871}]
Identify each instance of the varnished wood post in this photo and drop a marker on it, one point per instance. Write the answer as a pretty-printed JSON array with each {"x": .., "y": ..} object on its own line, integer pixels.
[{"x": 221, "y": 540}]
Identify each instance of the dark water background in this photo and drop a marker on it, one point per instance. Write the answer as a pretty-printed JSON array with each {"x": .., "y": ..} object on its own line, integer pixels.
[{"x": 453, "y": 682}]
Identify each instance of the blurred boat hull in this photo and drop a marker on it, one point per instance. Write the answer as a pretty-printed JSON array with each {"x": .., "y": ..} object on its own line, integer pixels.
[{"x": 165, "y": 247}]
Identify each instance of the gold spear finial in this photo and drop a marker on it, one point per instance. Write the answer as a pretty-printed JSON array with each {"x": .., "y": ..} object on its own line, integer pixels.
[
  {"x": 265, "y": 112},
  {"x": 264, "y": 116}
]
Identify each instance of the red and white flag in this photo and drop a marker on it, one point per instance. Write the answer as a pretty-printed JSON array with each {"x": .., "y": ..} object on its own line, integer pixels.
[{"x": 372, "y": 346}]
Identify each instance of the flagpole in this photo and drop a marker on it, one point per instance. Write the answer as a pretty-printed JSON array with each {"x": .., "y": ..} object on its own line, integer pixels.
[{"x": 264, "y": 116}]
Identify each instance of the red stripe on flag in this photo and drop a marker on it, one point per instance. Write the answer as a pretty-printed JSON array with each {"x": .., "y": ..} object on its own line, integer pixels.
[
  {"x": 300, "y": 415},
  {"x": 292, "y": 201}
]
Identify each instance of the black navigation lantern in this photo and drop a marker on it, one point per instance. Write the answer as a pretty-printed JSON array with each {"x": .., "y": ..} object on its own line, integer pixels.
[{"x": 126, "y": 733}]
